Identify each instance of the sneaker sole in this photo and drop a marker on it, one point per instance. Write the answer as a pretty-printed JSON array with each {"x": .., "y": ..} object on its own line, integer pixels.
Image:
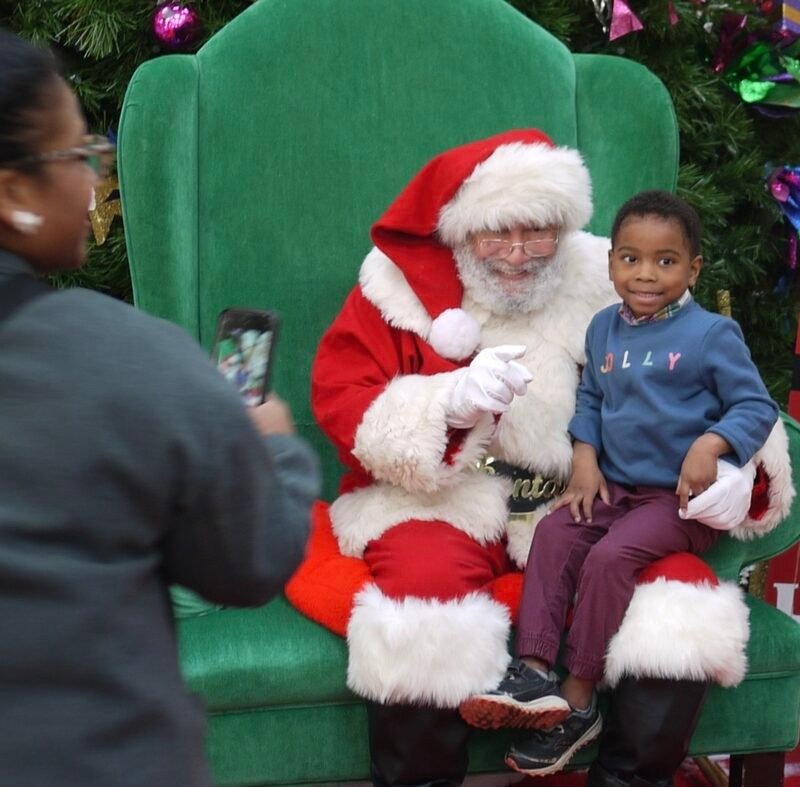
[
  {"x": 561, "y": 763},
  {"x": 494, "y": 713}
]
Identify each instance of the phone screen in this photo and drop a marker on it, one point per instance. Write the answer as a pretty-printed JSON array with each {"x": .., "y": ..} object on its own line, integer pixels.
[{"x": 242, "y": 352}]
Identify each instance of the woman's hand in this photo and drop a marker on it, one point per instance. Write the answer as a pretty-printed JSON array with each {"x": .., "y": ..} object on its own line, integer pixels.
[{"x": 272, "y": 417}]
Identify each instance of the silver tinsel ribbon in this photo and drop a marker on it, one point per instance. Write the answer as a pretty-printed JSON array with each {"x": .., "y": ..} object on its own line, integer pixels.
[{"x": 602, "y": 10}]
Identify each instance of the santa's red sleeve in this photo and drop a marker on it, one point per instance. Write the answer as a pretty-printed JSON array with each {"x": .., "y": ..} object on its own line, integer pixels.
[
  {"x": 356, "y": 359},
  {"x": 373, "y": 394}
]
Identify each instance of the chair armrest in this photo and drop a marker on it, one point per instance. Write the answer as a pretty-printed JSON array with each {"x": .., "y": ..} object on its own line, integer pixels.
[{"x": 730, "y": 555}]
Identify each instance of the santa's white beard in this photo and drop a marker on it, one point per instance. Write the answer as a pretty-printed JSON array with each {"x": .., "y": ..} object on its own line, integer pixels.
[{"x": 527, "y": 293}]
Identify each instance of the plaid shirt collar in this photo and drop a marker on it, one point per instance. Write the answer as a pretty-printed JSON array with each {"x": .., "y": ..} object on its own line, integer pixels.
[{"x": 662, "y": 314}]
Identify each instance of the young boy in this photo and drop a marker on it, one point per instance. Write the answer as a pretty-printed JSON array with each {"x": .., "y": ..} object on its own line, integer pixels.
[{"x": 668, "y": 390}]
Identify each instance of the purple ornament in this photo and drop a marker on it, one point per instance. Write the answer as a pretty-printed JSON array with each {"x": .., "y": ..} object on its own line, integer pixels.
[{"x": 176, "y": 25}]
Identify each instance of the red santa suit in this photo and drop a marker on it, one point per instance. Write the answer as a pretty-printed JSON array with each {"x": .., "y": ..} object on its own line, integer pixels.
[{"x": 416, "y": 569}]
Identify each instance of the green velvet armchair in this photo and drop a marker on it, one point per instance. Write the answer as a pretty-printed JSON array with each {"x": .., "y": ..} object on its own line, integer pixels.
[{"x": 250, "y": 175}]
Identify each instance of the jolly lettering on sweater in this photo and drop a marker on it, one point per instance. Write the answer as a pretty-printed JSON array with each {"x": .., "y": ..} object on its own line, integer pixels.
[{"x": 608, "y": 365}]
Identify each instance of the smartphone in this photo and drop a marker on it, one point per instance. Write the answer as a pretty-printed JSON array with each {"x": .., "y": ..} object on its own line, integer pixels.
[{"x": 243, "y": 349}]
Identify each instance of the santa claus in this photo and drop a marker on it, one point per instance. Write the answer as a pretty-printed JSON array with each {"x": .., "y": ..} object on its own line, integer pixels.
[{"x": 447, "y": 383}]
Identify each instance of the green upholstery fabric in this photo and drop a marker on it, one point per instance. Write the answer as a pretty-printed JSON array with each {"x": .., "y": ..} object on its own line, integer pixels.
[
  {"x": 269, "y": 656},
  {"x": 761, "y": 714},
  {"x": 187, "y": 604},
  {"x": 163, "y": 236},
  {"x": 250, "y": 175},
  {"x": 613, "y": 121}
]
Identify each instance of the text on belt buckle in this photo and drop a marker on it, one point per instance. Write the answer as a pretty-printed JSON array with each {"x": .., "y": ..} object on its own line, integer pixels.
[{"x": 528, "y": 491}]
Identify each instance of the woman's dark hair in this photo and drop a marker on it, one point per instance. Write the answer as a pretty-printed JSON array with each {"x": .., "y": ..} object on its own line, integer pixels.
[
  {"x": 666, "y": 206},
  {"x": 27, "y": 78}
]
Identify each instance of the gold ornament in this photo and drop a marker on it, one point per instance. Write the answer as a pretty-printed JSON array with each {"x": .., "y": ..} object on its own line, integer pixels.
[
  {"x": 724, "y": 302},
  {"x": 107, "y": 206}
]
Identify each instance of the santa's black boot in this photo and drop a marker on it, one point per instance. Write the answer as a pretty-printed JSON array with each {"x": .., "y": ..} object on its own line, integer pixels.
[
  {"x": 646, "y": 732},
  {"x": 412, "y": 745}
]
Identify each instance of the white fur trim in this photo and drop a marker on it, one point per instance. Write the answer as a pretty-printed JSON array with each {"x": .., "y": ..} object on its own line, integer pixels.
[
  {"x": 477, "y": 507},
  {"x": 454, "y": 334},
  {"x": 403, "y": 435},
  {"x": 534, "y": 185},
  {"x": 774, "y": 457},
  {"x": 385, "y": 287},
  {"x": 520, "y": 536},
  {"x": 426, "y": 651},
  {"x": 682, "y": 630}
]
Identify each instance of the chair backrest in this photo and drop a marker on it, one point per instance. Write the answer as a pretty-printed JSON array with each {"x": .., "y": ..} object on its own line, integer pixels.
[{"x": 252, "y": 171}]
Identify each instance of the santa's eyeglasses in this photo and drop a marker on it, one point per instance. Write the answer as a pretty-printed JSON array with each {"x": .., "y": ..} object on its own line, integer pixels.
[{"x": 499, "y": 249}]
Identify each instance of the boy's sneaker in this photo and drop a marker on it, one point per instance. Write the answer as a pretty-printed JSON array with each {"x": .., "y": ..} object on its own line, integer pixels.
[
  {"x": 524, "y": 698},
  {"x": 548, "y": 751}
]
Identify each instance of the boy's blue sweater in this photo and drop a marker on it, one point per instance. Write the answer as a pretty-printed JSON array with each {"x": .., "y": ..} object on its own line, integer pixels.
[{"x": 649, "y": 391}]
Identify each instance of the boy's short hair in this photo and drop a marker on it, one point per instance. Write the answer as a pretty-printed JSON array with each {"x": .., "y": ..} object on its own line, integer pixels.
[{"x": 667, "y": 206}]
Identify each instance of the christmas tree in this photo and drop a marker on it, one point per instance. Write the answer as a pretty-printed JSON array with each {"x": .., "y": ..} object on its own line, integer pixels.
[{"x": 721, "y": 62}]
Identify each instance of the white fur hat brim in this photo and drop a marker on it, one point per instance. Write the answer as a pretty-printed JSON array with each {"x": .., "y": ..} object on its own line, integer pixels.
[{"x": 534, "y": 185}]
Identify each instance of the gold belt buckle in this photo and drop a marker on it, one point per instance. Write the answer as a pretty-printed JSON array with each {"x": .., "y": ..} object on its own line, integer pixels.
[{"x": 521, "y": 518}]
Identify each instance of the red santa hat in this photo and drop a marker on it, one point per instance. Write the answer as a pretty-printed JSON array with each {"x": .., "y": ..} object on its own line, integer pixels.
[{"x": 517, "y": 177}]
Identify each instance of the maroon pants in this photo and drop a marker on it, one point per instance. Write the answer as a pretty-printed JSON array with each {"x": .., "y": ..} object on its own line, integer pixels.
[{"x": 597, "y": 564}]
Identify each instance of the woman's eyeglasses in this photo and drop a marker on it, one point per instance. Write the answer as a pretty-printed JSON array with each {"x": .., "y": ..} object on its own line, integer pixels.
[{"x": 96, "y": 151}]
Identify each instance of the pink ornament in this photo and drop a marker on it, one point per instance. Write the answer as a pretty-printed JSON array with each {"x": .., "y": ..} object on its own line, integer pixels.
[
  {"x": 780, "y": 191},
  {"x": 623, "y": 20},
  {"x": 176, "y": 25}
]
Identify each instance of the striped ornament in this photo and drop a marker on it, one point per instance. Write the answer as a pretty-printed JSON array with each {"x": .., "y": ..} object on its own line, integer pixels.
[{"x": 791, "y": 15}]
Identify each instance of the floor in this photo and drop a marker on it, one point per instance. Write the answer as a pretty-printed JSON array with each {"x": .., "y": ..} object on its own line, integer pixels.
[{"x": 690, "y": 775}]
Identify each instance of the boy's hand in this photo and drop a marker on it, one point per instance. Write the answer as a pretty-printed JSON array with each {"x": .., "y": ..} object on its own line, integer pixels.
[
  {"x": 699, "y": 468},
  {"x": 726, "y": 502},
  {"x": 585, "y": 483}
]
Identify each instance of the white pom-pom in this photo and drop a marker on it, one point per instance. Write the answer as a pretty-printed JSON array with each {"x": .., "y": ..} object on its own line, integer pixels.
[{"x": 454, "y": 334}]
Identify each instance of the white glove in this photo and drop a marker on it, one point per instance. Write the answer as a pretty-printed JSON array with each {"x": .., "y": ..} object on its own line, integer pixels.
[
  {"x": 489, "y": 385},
  {"x": 726, "y": 502}
]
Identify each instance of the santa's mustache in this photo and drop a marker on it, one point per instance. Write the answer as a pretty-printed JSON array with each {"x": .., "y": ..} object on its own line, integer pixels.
[{"x": 505, "y": 267}]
